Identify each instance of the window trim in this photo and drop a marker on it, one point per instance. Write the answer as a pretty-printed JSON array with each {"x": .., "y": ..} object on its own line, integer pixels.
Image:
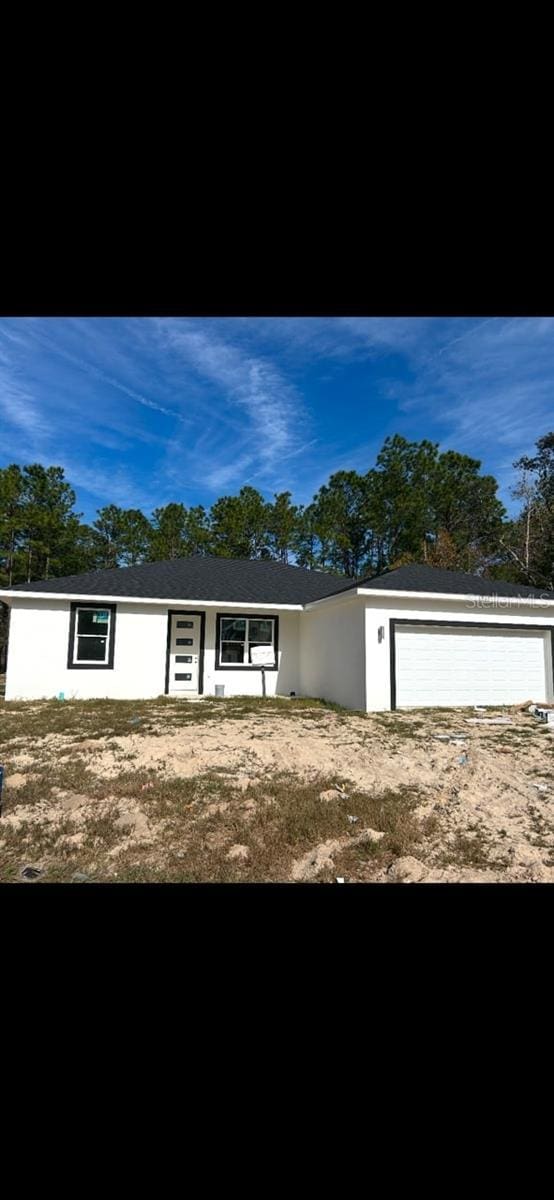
[
  {"x": 91, "y": 666},
  {"x": 222, "y": 616}
]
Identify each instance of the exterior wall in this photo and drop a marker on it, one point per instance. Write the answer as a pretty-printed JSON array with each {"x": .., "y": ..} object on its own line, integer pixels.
[
  {"x": 331, "y": 651},
  {"x": 332, "y": 656},
  {"x": 249, "y": 683},
  {"x": 378, "y": 664},
  {"x": 38, "y": 647}
]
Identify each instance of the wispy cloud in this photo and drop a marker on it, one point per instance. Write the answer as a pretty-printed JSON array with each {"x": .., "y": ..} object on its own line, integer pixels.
[
  {"x": 493, "y": 386},
  {"x": 141, "y": 411},
  {"x": 20, "y": 410},
  {"x": 96, "y": 373},
  {"x": 265, "y": 411}
]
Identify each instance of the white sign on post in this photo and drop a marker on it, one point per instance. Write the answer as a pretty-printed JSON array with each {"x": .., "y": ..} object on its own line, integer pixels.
[{"x": 262, "y": 656}]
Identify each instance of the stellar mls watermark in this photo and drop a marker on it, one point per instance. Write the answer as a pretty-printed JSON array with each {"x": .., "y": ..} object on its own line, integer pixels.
[{"x": 541, "y": 600}]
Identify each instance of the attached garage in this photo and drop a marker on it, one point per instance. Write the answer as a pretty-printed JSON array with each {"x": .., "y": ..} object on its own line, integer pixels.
[
  {"x": 438, "y": 664},
  {"x": 416, "y": 636}
]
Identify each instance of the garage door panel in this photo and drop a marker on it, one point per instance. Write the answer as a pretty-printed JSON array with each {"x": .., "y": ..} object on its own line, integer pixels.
[{"x": 454, "y": 666}]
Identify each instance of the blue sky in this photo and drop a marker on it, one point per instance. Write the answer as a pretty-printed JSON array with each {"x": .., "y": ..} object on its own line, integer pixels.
[{"x": 142, "y": 411}]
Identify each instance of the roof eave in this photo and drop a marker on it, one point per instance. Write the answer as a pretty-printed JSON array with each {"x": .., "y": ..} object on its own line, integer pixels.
[
  {"x": 398, "y": 594},
  {"x": 464, "y": 596},
  {"x": 166, "y": 601}
]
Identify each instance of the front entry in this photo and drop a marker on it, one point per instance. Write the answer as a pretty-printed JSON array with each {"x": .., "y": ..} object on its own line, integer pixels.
[{"x": 185, "y": 654}]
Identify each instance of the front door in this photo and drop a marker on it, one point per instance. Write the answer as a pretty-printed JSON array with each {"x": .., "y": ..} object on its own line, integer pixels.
[{"x": 184, "y": 654}]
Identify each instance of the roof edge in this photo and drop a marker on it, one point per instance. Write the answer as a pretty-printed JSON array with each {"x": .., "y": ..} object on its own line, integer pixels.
[
  {"x": 482, "y": 599},
  {"x": 100, "y": 598}
]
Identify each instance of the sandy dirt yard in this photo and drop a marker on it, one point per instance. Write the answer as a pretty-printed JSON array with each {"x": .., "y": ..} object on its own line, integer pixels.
[{"x": 275, "y": 790}]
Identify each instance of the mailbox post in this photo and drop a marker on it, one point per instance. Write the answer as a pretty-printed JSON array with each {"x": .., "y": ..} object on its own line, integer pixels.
[{"x": 263, "y": 656}]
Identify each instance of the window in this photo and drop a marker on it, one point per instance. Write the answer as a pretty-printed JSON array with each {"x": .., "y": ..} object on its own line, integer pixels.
[
  {"x": 237, "y": 636},
  {"x": 91, "y": 636}
]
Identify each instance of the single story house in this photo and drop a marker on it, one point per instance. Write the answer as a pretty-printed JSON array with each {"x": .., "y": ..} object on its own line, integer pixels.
[{"x": 413, "y": 637}]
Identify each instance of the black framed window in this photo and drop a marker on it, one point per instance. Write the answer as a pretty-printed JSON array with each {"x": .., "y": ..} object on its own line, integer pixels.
[
  {"x": 91, "y": 636},
  {"x": 236, "y": 637}
]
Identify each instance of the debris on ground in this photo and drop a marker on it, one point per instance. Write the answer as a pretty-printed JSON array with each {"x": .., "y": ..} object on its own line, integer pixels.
[
  {"x": 489, "y": 721},
  {"x": 31, "y": 872},
  {"x": 544, "y": 714},
  {"x": 455, "y": 739}
]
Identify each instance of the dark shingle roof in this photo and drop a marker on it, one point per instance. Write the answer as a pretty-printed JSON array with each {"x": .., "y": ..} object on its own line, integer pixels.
[
  {"x": 415, "y": 577},
  {"x": 263, "y": 581},
  {"x": 249, "y": 581}
]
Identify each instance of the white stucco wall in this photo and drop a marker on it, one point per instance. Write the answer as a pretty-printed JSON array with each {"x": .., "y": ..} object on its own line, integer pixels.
[
  {"x": 332, "y": 657},
  {"x": 331, "y": 650},
  {"x": 38, "y": 647},
  {"x": 378, "y": 654},
  {"x": 249, "y": 683}
]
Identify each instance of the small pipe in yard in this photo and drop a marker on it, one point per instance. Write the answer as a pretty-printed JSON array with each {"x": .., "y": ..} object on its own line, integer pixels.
[
  {"x": 1, "y": 785},
  {"x": 263, "y": 681}
]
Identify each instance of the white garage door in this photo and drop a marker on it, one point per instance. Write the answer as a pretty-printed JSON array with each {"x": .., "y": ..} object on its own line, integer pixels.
[{"x": 451, "y": 666}]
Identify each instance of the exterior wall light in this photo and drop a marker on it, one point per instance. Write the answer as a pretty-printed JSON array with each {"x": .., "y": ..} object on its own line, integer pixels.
[{"x": 381, "y": 633}]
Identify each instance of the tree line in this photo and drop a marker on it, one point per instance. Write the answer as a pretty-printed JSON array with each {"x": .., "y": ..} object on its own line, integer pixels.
[{"x": 416, "y": 504}]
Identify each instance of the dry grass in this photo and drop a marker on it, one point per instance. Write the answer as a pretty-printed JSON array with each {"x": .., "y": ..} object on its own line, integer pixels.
[
  {"x": 195, "y": 822},
  {"x": 84, "y": 719},
  {"x": 192, "y": 823},
  {"x": 471, "y": 849},
  {"x": 142, "y": 820}
]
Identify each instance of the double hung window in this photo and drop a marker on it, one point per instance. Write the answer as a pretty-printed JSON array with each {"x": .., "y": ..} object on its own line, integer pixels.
[
  {"x": 91, "y": 639},
  {"x": 237, "y": 637}
]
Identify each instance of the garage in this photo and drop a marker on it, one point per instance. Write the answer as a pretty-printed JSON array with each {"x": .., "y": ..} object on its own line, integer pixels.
[{"x": 448, "y": 665}]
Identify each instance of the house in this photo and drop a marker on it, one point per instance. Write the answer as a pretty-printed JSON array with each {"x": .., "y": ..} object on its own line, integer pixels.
[{"x": 416, "y": 636}]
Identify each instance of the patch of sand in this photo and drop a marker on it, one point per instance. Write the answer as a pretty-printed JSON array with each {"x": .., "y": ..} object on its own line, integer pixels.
[
  {"x": 482, "y": 783},
  {"x": 491, "y": 782}
]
